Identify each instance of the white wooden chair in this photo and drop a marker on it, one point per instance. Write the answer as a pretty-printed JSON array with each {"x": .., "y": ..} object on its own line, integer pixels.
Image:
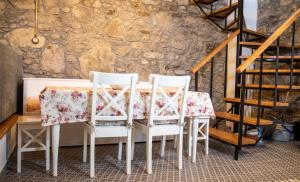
[
  {"x": 104, "y": 125},
  {"x": 26, "y": 124},
  {"x": 165, "y": 120},
  {"x": 196, "y": 125},
  {"x": 198, "y": 130}
]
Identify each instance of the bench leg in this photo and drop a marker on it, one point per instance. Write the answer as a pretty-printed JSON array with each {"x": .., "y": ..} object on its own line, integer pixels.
[{"x": 19, "y": 149}]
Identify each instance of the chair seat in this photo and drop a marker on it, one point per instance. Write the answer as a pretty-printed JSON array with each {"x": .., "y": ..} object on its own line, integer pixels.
[
  {"x": 110, "y": 123},
  {"x": 158, "y": 122}
]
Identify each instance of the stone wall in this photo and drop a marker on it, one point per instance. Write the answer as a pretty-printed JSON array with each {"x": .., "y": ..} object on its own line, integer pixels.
[{"x": 143, "y": 36}]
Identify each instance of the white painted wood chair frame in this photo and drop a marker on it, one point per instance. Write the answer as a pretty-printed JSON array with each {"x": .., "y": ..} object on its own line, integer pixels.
[
  {"x": 196, "y": 124},
  {"x": 99, "y": 80},
  {"x": 24, "y": 128},
  {"x": 151, "y": 129}
]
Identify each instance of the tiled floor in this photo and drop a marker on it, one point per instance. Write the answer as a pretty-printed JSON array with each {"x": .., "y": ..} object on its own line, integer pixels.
[{"x": 274, "y": 161}]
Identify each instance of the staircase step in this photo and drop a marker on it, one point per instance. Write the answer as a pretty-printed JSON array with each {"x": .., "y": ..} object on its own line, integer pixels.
[
  {"x": 257, "y": 44},
  {"x": 247, "y": 120},
  {"x": 254, "y": 102},
  {"x": 273, "y": 71},
  {"x": 232, "y": 25},
  {"x": 205, "y": 1},
  {"x": 279, "y": 87},
  {"x": 296, "y": 57},
  {"x": 223, "y": 12},
  {"x": 230, "y": 138},
  {"x": 255, "y": 33}
]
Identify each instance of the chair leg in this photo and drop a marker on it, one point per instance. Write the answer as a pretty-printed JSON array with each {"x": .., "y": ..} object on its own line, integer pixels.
[
  {"x": 48, "y": 148},
  {"x": 84, "y": 144},
  {"x": 195, "y": 139},
  {"x": 120, "y": 144},
  {"x": 19, "y": 149},
  {"x": 180, "y": 147},
  {"x": 175, "y": 142},
  {"x": 149, "y": 151},
  {"x": 162, "y": 146},
  {"x": 190, "y": 137},
  {"x": 92, "y": 154},
  {"x": 207, "y": 137},
  {"x": 128, "y": 152},
  {"x": 132, "y": 143}
]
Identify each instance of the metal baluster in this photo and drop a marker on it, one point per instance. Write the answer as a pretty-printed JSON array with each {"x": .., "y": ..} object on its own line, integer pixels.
[
  {"x": 196, "y": 80},
  {"x": 225, "y": 77},
  {"x": 238, "y": 62},
  {"x": 242, "y": 109},
  {"x": 276, "y": 72},
  {"x": 292, "y": 54},
  {"x": 260, "y": 89},
  {"x": 211, "y": 77},
  {"x": 235, "y": 15}
]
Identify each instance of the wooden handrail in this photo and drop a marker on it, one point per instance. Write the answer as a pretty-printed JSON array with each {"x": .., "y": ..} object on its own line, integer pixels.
[
  {"x": 268, "y": 42},
  {"x": 213, "y": 53}
]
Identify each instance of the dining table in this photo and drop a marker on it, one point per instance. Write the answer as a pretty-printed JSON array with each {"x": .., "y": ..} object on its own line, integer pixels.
[{"x": 64, "y": 105}]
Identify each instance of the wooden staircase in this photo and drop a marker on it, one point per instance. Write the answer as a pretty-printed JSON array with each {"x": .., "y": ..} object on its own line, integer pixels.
[{"x": 267, "y": 50}]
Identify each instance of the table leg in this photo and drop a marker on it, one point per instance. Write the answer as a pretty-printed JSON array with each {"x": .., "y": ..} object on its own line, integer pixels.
[
  {"x": 48, "y": 148},
  {"x": 207, "y": 136},
  {"x": 195, "y": 139},
  {"x": 190, "y": 137},
  {"x": 55, "y": 147}
]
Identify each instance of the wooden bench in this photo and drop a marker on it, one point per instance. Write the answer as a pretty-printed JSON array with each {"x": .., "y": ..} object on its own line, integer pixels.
[{"x": 6, "y": 125}]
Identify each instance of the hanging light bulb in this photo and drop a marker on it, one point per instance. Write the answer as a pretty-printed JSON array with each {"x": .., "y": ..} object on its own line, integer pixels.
[{"x": 35, "y": 39}]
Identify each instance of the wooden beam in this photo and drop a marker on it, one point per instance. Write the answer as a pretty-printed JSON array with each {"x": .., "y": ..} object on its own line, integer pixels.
[
  {"x": 213, "y": 53},
  {"x": 6, "y": 125},
  {"x": 269, "y": 41}
]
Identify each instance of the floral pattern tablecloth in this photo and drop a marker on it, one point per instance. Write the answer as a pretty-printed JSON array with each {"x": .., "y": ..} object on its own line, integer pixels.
[{"x": 69, "y": 105}]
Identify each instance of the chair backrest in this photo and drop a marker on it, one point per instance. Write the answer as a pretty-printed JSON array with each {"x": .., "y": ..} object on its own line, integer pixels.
[
  {"x": 168, "y": 98},
  {"x": 113, "y": 100}
]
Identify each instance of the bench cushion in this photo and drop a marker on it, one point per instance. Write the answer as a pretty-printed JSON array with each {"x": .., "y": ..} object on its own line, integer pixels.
[{"x": 29, "y": 119}]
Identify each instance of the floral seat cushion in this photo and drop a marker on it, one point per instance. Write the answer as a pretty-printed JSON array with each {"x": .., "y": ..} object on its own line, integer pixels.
[
  {"x": 158, "y": 122},
  {"x": 110, "y": 123}
]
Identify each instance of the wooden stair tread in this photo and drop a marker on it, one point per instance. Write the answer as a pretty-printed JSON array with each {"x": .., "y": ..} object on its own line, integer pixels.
[
  {"x": 257, "y": 44},
  {"x": 229, "y": 137},
  {"x": 254, "y": 102},
  {"x": 6, "y": 125},
  {"x": 223, "y": 12},
  {"x": 264, "y": 86},
  {"x": 252, "y": 32},
  {"x": 273, "y": 71},
  {"x": 206, "y": 1},
  {"x": 247, "y": 120},
  {"x": 232, "y": 25},
  {"x": 274, "y": 57}
]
